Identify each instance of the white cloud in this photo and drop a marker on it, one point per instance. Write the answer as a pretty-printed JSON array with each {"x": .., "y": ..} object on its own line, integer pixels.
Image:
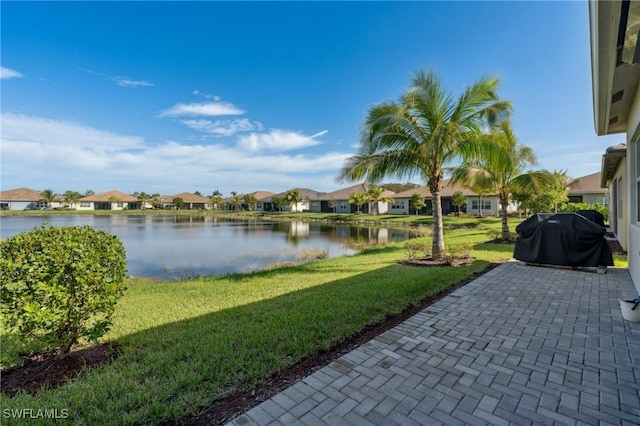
[
  {"x": 206, "y": 109},
  {"x": 120, "y": 80},
  {"x": 278, "y": 140},
  {"x": 59, "y": 133},
  {"x": 127, "y": 82},
  {"x": 42, "y": 153},
  {"x": 206, "y": 95},
  {"x": 223, "y": 127},
  {"x": 7, "y": 73}
]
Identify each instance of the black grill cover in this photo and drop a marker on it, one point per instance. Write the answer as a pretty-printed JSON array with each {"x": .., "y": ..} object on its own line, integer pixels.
[
  {"x": 593, "y": 215},
  {"x": 566, "y": 239}
]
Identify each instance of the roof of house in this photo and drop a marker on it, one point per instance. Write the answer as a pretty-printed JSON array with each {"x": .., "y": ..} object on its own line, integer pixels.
[
  {"x": 305, "y": 193},
  {"x": 448, "y": 189},
  {"x": 109, "y": 195},
  {"x": 188, "y": 197},
  {"x": 587, "y": 184},
  {"x": 345, "y": 193},
  {"x": 21, "y": 194}
]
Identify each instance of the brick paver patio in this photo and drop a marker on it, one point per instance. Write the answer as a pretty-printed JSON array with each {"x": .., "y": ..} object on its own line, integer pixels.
[{"x": 519, "y": 345}]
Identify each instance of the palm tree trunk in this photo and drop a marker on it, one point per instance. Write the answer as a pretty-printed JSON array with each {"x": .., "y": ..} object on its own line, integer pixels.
[
  {"x": 506, "y": 233},
  {"x": 437, "y": 247}
]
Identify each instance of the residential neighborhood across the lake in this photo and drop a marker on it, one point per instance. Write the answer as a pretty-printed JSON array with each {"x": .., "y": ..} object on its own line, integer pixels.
[{"x": 586, "y": 189}]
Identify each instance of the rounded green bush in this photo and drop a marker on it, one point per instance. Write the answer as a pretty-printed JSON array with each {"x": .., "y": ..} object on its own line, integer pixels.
[{"x": 61, "y": 284}]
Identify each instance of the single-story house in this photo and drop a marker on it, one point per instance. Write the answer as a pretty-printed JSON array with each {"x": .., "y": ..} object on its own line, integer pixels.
[
  {"x": 110, "y": 200},
  {"x": 615, "y": 71},
  {"x": 486, "y": 203},
  {"x": 25, "y": 199},
  {"x": 338, "y": 201},
  {"x": 309, "y": 198},
  {"x": 190, "y": 201},
  {"x": 587, "y": 189}
]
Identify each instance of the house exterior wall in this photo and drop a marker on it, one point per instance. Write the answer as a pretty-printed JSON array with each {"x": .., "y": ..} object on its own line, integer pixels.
[
  {"x": 632, "y": 190},
  {"x": 618, "y": 215},
  {"x": 19, "y": 205},
  {"x": 399, "y": 206}
]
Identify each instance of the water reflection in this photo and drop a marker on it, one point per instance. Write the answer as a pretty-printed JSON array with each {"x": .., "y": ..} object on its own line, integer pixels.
[{"x": 174, "y": 247}]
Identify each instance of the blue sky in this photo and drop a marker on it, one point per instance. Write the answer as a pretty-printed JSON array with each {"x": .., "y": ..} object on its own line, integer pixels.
[{"x": 168, "y": 97}]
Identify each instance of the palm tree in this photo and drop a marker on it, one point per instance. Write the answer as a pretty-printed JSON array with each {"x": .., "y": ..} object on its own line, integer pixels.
[
  {"x": 359, "y": 199},
  {"x": 143, "y": 197},
  {"x": 71, "y": 197},
  {"x": 47, "y": 197},
  {"x": 422, "y": 133},
  {"x": 500, "y": 169},
  {"x": 293, "y": 197},
  {"x": 377, "y": 195}
]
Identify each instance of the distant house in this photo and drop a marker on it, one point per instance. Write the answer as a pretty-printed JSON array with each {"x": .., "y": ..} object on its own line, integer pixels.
[
  {"x": 587, "y": 189},
  {"x": 110, "y": 200},
  {"x": 190, "y": 201},
  {"x": 308, "y": 202},
  {"x": 615, "y": 71},
  {"x": 25, "y": 199},
  {"x": 487, "y": 204},
  {"x": 338, "y": 201}
]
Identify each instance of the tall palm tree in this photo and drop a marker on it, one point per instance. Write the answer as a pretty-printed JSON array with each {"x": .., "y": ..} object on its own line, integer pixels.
[
  {"x": 499, "y": 169},
  {"x": 377, "y": 195},
  {"x": 423, "y": 132},
  {"x": 359, "y": 199},
  {"x": 293, "y": 197}
]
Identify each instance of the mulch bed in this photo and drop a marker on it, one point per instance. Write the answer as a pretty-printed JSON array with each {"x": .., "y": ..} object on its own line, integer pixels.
[
  {"x": 431, "y": 262},
  {"x": 48, "y": 371}
]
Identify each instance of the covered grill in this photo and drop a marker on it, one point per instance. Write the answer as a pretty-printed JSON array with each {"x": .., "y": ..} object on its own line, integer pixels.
[{"x": 566, "y": 239}]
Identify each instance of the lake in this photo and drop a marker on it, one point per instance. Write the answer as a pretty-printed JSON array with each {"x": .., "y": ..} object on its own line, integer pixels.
[{"x": 176, "y": 247}]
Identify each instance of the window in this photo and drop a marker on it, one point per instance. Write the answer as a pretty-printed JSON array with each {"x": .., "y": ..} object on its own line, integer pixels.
[
  {"x": 119, "y": 204},
  {"x": 601, "y": 200},
  {"x": 486, "y": 204},
  {"x": 85, "y": 204},
  {"x": 259, "y": 206},
  {"x": 343, "y": 205},
  {"x": 397, "y": 205}
]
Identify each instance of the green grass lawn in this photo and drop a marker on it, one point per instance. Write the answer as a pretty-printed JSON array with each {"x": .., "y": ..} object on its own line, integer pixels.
[{"x": 186, "y": 344}]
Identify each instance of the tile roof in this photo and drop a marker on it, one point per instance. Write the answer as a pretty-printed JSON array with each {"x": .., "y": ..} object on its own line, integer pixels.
[
  {"x": 106, "y": 196},
  {"x": 21, "y": 194},
  {"x": 448, "y": 189},
  {"x": 188, "y": 197},
  {"x": 587, "y": 184},
  {"x": 305, "y": 193},
  {"x": 345, "y": 193}
]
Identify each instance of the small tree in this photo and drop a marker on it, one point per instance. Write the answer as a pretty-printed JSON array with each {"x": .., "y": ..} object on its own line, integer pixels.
[
  {"x": 61, "y": 284},
  {"x": 359, "y": 199},
  {"x": 278, "y": 203},
  {"x": 250, "y": 201},
  {"x": 178, "y": 203},
  {"x": 332, "y": 205},
  {"x": 417, "y": 202},
  {"x": 458, "y": 199}
]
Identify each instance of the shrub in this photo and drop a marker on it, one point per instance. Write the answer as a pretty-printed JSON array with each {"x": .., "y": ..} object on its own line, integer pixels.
[
  {"x": 414, "y": 248},
  {"x": 61, "y": 284}
]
